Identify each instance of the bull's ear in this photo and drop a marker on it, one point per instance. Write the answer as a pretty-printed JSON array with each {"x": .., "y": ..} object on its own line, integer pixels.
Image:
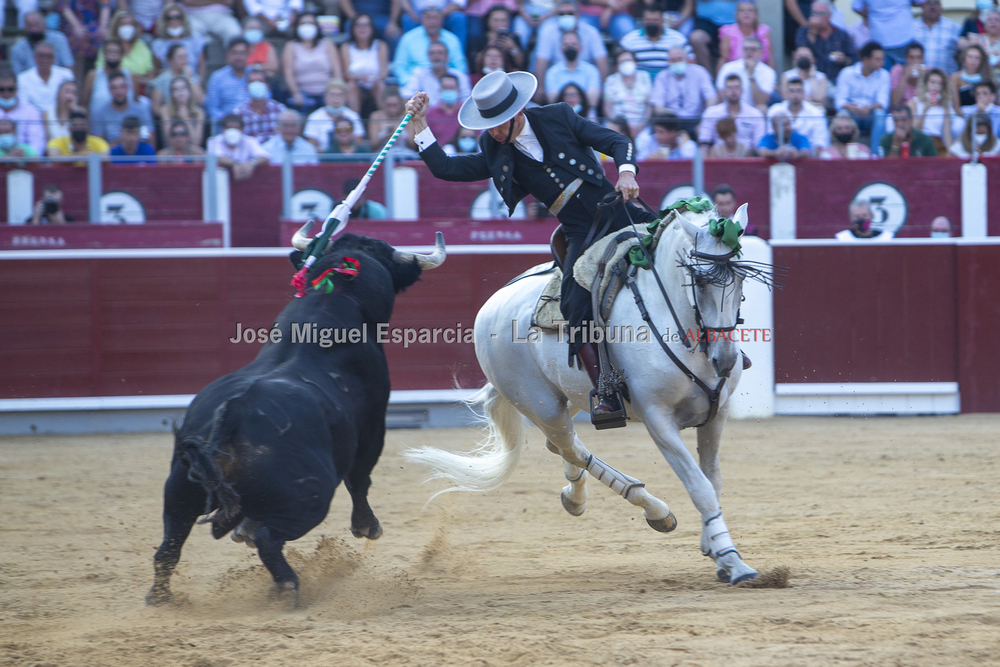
[{"x": 404, "y": 274}]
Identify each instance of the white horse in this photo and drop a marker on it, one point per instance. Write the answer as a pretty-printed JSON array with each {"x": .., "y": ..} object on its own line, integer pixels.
[{"x": 703, "y": 282}]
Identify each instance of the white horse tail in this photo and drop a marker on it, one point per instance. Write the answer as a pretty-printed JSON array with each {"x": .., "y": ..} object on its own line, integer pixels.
[{"x": 492, "y": 462}]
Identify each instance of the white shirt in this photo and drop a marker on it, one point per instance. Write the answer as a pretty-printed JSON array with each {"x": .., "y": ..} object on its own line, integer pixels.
[
  {"x": 302, "y": 151},
  {"x": 810, "y": 122},
  {"x": 33, "y": 88},
  {"x": 525, "y": 141},
  {"x": 849, "y": 237},
  {"x": 246, "y": 150},
  {"x": 764, "y": 75}
]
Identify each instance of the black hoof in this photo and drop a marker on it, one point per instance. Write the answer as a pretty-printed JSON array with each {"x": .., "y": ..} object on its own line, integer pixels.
[
  {"x": 722, "y": 575},
  {"x": 744, "y": 577},
  {"x": 664, "y": 525},
  {"x": 372, "y": 532},
  {"x": 576, "y": 509}
]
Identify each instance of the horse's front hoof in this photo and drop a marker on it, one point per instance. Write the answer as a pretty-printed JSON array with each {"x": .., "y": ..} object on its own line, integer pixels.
[
  {"x": 575, "y": 509},
  {"x": 372, "y": 532},
  {"x": 286, "y": 590},
  {"x": 722, "y": 575},
  {"x": 746, "y": 576},
  {"x": 664, "y": 525}
]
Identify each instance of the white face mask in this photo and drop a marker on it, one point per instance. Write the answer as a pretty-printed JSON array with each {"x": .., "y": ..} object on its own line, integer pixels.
[
  {"x": 175, "y": 30},
  {"x": 566, "y": 22},
  {"x": 940, "y": 235},
  {"x": 307, "y": 31},
  {"x": 232, "y": 136},
  {"x": 627, "y": 67},
  {"x": 980, "y": 139},
  {"x": 126, "y": 32}
]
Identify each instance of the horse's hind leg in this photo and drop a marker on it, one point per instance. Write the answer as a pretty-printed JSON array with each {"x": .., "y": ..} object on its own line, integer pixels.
[{"x": 574, "y": 494}]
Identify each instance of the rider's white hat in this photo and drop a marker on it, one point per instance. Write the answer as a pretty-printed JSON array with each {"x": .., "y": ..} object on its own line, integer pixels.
[{"x": 496, "y": 99}]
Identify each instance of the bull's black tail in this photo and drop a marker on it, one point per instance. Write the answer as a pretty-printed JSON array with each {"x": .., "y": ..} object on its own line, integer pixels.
[{"x": 203, "y": 468}]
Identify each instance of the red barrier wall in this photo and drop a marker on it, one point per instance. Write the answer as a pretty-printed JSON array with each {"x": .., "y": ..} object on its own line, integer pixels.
[
  {"x": 456, "y": 232},
  {"x": 825, "y": 188},
  {"x": 127, "y": 327},
  {"x": 851, "y": 313},
  {"x": 191, "y": 234},
  {"x": 993, "y": 198},
  {"x": 978, "y": 279}
]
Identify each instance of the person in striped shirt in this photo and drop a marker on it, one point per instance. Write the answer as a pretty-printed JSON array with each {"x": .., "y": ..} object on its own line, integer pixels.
[{"x": 652, "y": 42}]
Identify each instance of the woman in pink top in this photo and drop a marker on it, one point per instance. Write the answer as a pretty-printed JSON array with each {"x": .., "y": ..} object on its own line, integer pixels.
[
  {"x": 309, "y": 61},
  {"x": 747, "y": 24}
]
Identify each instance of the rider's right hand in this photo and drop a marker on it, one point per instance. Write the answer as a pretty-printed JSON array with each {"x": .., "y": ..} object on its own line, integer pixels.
[{"x": 417, "y": 108}]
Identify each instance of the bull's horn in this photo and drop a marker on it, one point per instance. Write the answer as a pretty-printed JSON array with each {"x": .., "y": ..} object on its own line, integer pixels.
[
  {"x": 300, "y": 239},
  {"x": 431, "y": 261}
]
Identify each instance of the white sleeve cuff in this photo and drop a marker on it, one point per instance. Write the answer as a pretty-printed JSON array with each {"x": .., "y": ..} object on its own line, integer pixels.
[
  {"x": 424, "y": 139},
  {"x": 630, "y": 168}
]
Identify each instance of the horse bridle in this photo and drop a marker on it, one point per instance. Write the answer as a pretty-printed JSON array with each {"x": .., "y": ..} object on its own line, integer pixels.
[{"x": 722, "y": 261}]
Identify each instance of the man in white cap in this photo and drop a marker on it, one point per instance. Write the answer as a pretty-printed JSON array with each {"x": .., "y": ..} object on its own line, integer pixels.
[{"x": 547, "y": 152}]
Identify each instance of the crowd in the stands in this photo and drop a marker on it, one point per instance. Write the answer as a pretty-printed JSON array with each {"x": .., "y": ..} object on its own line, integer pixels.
[{"x": 254, "y": 81}]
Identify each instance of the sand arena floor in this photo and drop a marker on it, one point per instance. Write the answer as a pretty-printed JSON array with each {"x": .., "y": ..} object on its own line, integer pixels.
[{"x": 889, "y": 525}]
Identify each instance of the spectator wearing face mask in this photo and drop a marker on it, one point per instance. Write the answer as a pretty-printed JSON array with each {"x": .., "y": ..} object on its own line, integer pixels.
[
  {"x": 626, "y": 92},
  {"x": 41, "y": 83},
  {"x": 442, "y": 118},
  {"x": 30, "y": 129},
  {"x": 172, "y": 29},
  {"x": 574, "y": 96},
  {"x": 260, "y": 113},
  {"x": 861, "y": 224},
  {"x": 814, "y": 82},
  {"x": 137, "y": 58},
  {"x": 130, "y": 143},
  {"x": 844, "y": 142},
  {"x": 573, "y": 70},
  {"x": 977, "y": 137},
  {"x": 22, "y": 54},
  {"x": 260, "y": 51},
  {"x": 309, "y": 61},
  {"x": 905, "y": 78},
  {"x": 975, "y": 68},
  {"x": 79, "y": 141},
  {"x": 651, "y": 44},
  {"x": 242, "y": 154},
  {"x": 287, "y": 140},
  {"x": 807, "y": 119},
  {"x": 490, "y": 59},
  {"x": 10, "y": 146},
  {"x": 464, "y": 142},
  {"x": 428, "y": 78},
  {"x": 985, "y": 96},
  {"x": 940, "y": 228},
  {"x": 549, "y": 48},
  {"x": 320, "y": 123},
  {"x": 683, "y": 88}
]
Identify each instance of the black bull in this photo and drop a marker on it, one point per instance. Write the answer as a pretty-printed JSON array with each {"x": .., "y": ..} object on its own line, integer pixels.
[{"x": 263, "y": 449}]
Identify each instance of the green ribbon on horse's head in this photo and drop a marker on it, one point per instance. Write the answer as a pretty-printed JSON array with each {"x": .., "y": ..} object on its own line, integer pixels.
[
  {"x": 693, "y": 204},
  {"x": 728, "y": 231}
]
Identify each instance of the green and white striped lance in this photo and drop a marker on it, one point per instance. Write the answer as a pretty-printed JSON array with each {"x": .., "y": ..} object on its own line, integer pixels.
[{"x": 337, "y": 220}]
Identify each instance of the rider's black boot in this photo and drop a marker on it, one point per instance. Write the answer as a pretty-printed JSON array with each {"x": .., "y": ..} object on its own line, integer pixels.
[{"x": 606, "y": 405}]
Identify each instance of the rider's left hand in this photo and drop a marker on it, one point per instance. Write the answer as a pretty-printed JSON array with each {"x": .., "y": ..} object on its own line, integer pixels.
[{"x": 627, "y": 186}]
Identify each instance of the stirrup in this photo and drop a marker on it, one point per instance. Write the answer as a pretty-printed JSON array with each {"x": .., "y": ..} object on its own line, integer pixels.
[{"x": 614, "y": 419}]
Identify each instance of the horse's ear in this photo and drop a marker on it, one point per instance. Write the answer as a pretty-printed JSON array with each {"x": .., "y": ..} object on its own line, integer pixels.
[
  {"x": 689, "y": 227},
  {"x": 741, "y": 217}
]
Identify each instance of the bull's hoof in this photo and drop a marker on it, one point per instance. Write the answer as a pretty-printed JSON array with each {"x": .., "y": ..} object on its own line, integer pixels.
[
  {"x": 722, "y": 575},
  {"x": 576, "y": 509},
  {"x": 286, "y": 590},
  {"x": 157, "y": 597},
  {"x": 664, "y": 525},
  {"x": 372, "y": 532},
  {"x": 746, "y": 576}
]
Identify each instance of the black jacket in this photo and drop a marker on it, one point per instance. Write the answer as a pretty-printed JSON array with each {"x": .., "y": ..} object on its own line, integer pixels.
[{"x": 566, "y": 139}]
